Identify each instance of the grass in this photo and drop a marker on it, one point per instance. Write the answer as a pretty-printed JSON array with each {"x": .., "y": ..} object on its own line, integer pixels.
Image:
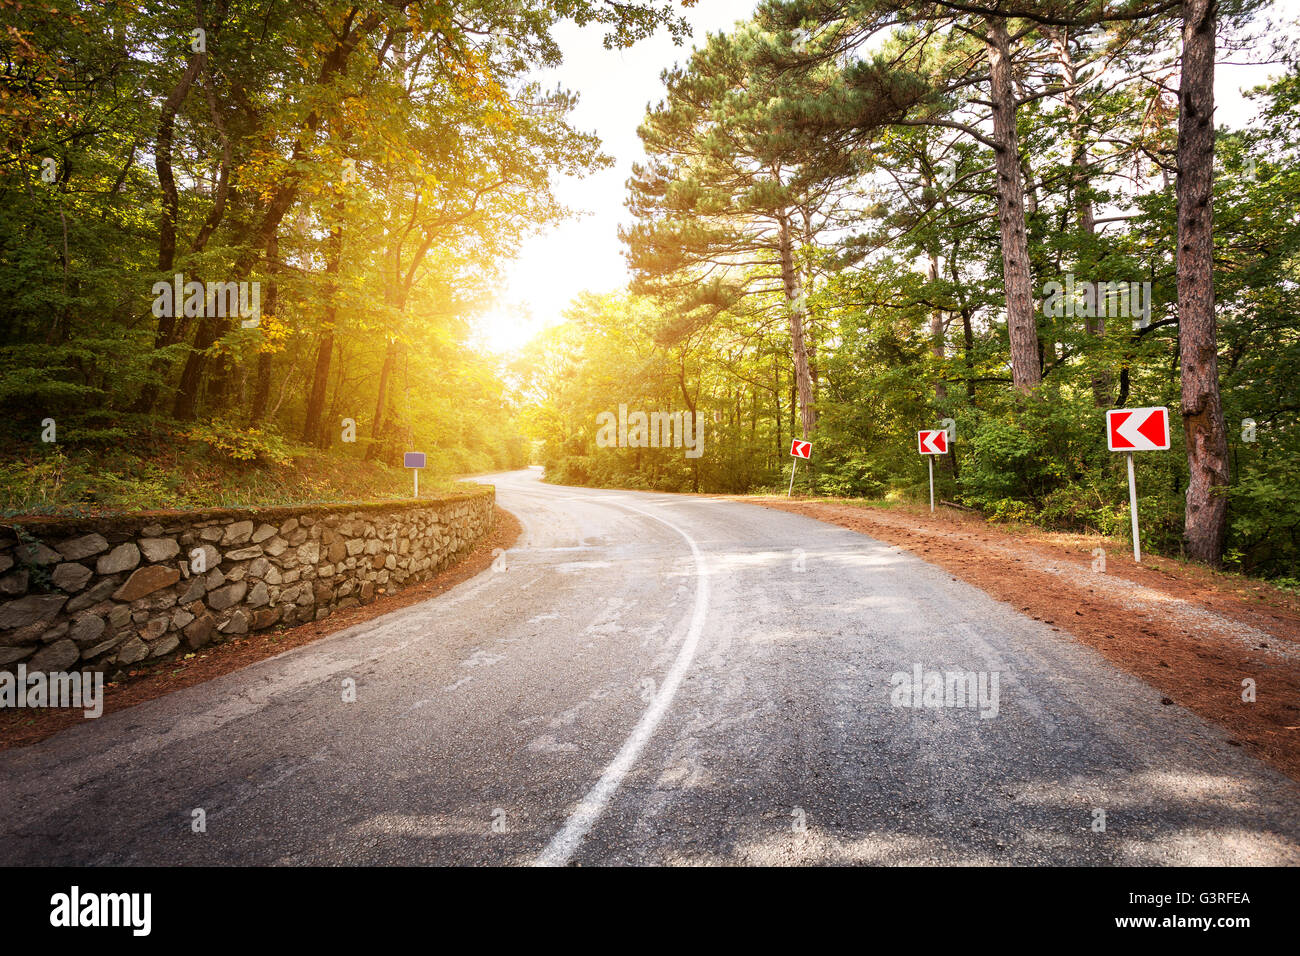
[{"x": 169, "y": 471}]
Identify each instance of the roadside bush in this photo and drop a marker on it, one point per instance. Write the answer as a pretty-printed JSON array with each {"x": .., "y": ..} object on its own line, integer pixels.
[{"x": 241, "y": 442}]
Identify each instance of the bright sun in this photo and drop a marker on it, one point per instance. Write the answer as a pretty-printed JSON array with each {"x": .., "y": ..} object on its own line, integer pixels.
[{"x": 550, "y": 271}]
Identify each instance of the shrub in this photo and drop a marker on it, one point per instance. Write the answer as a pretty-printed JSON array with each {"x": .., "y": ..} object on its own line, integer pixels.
[{"x": 241, "y": 442}]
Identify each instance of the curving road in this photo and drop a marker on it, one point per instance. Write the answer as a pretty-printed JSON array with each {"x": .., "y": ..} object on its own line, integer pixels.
[{"x": 658, "y": 679}]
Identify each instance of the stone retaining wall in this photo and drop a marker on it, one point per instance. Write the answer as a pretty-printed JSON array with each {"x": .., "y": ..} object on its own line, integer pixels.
[{"x": 106, "y": 593}]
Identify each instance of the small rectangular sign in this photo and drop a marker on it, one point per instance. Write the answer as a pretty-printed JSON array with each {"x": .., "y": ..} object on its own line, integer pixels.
[
  {"x": 801, "y": 449},
  {"x": 413, "y": 459}
]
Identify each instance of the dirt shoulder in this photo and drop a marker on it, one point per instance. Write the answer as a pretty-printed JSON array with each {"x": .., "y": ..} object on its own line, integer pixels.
[
  {"x": 19, "y": 728},
  {"x": 1193, "y": 633}
]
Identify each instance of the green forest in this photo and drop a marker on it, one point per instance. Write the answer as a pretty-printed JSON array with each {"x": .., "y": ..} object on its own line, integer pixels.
[
  {"x": 242, "y": 245},
  {"x": 360, "y": 171},
  {"x": 837, "y": 184}
]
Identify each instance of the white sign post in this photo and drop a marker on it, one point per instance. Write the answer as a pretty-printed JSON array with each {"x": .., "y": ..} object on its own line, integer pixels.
[
  {"x": 932, "y": 443},
  {"x": 1136, "y": 429},
  {"x": 1133, "y": 509},
  {"x": 798, "y": 449},
  {"x": 414, "y": 460}
]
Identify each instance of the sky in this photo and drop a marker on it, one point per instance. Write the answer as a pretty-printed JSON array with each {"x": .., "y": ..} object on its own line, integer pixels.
[
  {"x": 615, "y": 86},
  {"x": 584, "y": 254}
]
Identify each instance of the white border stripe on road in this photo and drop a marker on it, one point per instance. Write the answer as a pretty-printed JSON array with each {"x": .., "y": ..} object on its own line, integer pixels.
[{"x": 565, "y": 843}]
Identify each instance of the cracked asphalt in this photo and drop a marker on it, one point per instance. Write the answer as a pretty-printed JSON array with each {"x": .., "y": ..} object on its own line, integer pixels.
[{"x": 658, "y": 679}]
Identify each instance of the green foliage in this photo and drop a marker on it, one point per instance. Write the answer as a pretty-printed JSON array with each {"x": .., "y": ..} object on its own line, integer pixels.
[
  {"x": 368, "y": 166},
  {"x": 1266, "y": 510},
  {"x": 899, "y": 245},
  {"x": 58, "y": 483},
  {"x": 166, "y": 472},
  {"x": 240, "y": 443}
]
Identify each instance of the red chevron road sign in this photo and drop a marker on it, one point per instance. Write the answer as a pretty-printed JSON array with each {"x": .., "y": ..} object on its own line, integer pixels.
[
  {"x": 1137, "y": 429},
  {"x": 932, "y": 442}
]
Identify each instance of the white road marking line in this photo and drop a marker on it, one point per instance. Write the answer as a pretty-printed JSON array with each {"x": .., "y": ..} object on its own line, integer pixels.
[{"x": 565, "y": 843}]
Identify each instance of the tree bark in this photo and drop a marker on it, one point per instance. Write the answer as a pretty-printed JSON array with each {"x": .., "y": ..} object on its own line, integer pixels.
[
  {"x": 967, "y": 329},
  {"x": 377, "y": 442},
  {"x": 223, "y": 176},
  {"x": 795, "y": 308},
  {"x": 162, "y": 161},
  {"x": 312, "y": 431},
  {"x": 169, "y": 326},
  {"x": 262, "y": 386},
  {"x": 968, "y": 353},
  {"x": 936, "y": 327},
  {"x": 1103, "y": 384},
  {"x": 1022, "y": 328},
  {"x": 776, "y": 396},
  {"x": 1206, "y": 516}
]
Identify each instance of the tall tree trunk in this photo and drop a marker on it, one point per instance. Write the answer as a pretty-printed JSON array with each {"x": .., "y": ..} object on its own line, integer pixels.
[
  {"x": 968, "y": 353},
  {"x": 806, "y": 290},
  {"x": 1206, "y": 518},
  {"x": 328, "y": 434},
  {"x": 262, "y": 388},
  {"x": 692, "y": 409},
  {"x": 223, "y": 171},
  {"x": 794, "y": 406},
  {"x": 936, "y": 327},
  {"x": 169, "y": 326},
  {"x": 1022, "y": 329},
  {"x": 795, "y": 308},
  {"x": 377, "y": 428},
  {"x": 1103, "y": 384},
  {"x": 1080, "y": 174},
  {"x": 312, "y": 430},
  {"x": 967, "y": 330},
  {"x": 162, "y": 161},
  {"x": 286, "y": 194},
  {"x": 776, "y": 397}
]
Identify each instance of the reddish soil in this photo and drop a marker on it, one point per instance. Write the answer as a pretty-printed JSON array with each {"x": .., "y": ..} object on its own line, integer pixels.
[
  {"x": 1193, "y": 633},
  {"x": 18, "y": 728}
]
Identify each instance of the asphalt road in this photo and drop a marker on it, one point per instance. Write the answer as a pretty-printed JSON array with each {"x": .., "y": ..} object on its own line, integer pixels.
[{"x": 658, "y": 679}]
